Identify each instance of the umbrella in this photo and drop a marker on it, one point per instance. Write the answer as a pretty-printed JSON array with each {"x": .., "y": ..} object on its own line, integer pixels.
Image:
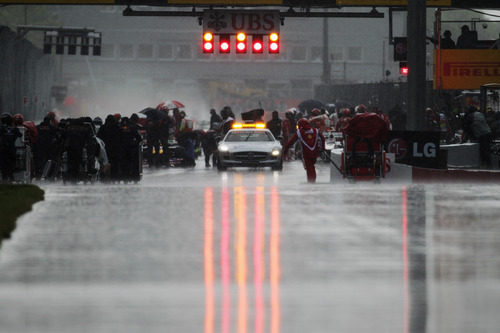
[
  {"x": 253, "y": 115},
  {"x": 308, "y": 105},
  {"x": 169, "y": 105},
  {"x": 154, "y": 113}
]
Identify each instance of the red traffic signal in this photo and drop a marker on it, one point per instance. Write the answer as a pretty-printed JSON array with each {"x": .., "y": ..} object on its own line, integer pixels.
[
  {"x": 208, "y": 42},
  {"x": 224, "y": 44},
  {"x": 403, "y": 68},
  {"x": 241, "y": 43},
  {"x": 257, "y": 44},
  {"x": 274, "y": 43}
]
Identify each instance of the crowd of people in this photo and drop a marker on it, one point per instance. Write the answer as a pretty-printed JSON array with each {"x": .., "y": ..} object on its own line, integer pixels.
[
  {"x": 71, "y": 149},
  {"x": 466, "y": 40},
  {"x": 472, "y": 126},
  {"x": 76, "y": 149}
]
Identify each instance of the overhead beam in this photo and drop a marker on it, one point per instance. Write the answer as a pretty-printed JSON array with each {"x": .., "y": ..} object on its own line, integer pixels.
[
  {"x": 194, "y": 13},
  {"x": 486, "y": 4},
  {"x": 305, "y": 4}
]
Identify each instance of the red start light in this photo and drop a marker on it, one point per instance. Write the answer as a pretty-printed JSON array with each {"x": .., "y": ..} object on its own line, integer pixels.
[
  {"x": 224, "y": 44},
  {"x": 208, "y": 42},
  {"x": 274, "y": 43},
  {"x": 274, "y": 47},
  {"x": 241, "y": 42},
  {"x": 404, "y": 71},
  {"x": 208, "y": 47},
  {"x": 257, "y": 44},
  {"x": 241, "y": 47}
]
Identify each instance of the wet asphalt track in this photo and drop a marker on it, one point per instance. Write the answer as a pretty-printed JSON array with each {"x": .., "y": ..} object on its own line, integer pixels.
[{"x": 254, "y": 251}]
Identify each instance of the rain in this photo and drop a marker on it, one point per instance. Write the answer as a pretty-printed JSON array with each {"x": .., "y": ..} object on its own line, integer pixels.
[{"x": 202, "y": 247}]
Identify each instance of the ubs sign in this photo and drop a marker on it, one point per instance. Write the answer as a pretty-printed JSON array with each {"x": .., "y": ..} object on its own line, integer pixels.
[{"x": 234, "y": 21}]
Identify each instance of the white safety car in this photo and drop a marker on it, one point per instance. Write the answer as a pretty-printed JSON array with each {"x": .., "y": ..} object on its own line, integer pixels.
[{"x": 249, "y": 145}]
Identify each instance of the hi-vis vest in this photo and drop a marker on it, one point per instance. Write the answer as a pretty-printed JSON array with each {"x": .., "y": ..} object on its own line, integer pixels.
[{"x": 186, "y": 125}]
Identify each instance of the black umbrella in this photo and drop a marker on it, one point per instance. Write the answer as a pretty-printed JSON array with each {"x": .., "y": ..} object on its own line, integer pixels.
[
  {"x": 154, "y": 113},
  {"x": 252, "y": 115},
  {"x": 308, "y": 105},
  {"x": 340, "y": 104}
]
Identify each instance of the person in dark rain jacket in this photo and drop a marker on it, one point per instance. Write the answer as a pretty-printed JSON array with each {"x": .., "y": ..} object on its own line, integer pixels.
[
  {"x": 110, "y": 134},
  {"x": 130, "y": 140},
  {"x": 275, "y": 124},
  {"x": 45, "y": 147},
  {"x": 8, "y": 137}
]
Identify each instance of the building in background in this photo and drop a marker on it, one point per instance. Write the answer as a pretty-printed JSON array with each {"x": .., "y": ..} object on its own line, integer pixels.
[{"x": 149, "y": 59}]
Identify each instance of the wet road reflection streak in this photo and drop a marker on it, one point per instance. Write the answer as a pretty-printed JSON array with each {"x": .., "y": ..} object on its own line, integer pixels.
[
  {"x": 258, "y": 257},
  {"x": 240, "y": 204},
  {"x": 406, "y": 301},
  {"x": 275, "y": 271},
  {"x": 414, "y": 259},
  {"x": 259, "y": 260},
  {"x": 209, "y": 259},
  {"x": 225, "y": 262}
]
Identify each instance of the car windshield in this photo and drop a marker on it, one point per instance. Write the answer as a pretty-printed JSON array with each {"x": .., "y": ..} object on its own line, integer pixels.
[{"x": 252, "y": 136}]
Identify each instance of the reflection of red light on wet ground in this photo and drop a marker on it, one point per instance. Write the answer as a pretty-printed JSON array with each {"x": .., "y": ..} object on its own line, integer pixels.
[
  {"x": 274, "y": 270},
  {"x": 241, "y": 260},
  {"x": 225, "y": 263},
  {"x": 406, "y": 305},
  {"x": 258, "y": 258},
  {"x": 208, "y": 256}
]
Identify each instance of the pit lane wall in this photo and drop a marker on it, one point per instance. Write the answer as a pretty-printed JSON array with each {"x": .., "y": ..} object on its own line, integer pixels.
[
  {"x": 26, "y": 76},
  {"x": 418, "y": 157},
  {"x": 407, "y": 174}
]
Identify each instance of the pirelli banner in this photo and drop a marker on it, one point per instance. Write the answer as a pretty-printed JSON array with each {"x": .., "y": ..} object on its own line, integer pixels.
[
  {"x": 389, "y": 3},
  {"x": 466, "y": 69}
]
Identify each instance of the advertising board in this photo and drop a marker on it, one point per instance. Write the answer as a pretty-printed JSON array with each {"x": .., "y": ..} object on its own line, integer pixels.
[
  {"x": 417, "y": 148},
  {"x": 234, "y": 21},
  {"x": 466, "y": 69},
  {"x": 430, "y": 3}
]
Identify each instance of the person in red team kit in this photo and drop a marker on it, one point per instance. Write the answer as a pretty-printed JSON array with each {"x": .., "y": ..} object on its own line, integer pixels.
[{"x": 312, "y": 142}]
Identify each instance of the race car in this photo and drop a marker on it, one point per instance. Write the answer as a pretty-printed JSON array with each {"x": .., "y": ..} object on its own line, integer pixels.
[{"x": 249, "y": 145}]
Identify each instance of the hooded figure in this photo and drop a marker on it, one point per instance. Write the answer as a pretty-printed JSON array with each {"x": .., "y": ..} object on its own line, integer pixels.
[
  {"x": 110, "y": 134},
  {"x": 312, "y": 142},
  {"x": 467, "y": 40},
  {"x": 8, "y": 137}
]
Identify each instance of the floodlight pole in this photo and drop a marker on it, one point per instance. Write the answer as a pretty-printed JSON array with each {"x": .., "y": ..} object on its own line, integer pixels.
[
  {"x": 327, "y": 69},
  {"x": 416, "y": 25}
]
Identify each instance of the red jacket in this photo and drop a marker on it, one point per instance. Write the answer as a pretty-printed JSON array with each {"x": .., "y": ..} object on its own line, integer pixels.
[{"x": 311, "y": 140}]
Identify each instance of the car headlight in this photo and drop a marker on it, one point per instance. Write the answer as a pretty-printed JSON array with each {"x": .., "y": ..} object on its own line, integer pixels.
[
  {"x": 223, "y": 148},
  {"x": 276, "y": 152}
]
